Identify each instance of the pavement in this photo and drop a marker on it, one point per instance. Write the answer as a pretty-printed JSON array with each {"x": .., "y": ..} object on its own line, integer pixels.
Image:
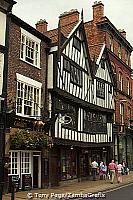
[{"x": 73, "y": 188}]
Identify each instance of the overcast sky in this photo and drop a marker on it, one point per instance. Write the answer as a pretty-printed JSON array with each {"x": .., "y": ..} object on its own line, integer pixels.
[{"x": 120, "y": 12}]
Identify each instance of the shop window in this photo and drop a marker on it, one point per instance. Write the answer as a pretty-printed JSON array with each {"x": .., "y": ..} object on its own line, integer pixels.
[{"x": 68, "y": 165}]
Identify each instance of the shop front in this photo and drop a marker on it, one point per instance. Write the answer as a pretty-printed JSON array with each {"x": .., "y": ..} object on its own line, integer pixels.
[{"x": 27, "y": 166}]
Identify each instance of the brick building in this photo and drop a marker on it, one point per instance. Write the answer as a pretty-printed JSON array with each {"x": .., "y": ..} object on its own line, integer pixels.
[
  {"x": 101, "y": 31},
  {"x": 26, "y": 142}
]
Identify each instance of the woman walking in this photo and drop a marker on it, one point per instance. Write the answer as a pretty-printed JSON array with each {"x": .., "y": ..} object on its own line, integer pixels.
[{"x": 119, "y": 173}]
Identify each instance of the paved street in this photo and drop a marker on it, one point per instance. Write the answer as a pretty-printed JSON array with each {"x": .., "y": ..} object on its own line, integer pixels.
[
  {"x": 83, "y": 187},
  {"x": 122, "y": 193}
]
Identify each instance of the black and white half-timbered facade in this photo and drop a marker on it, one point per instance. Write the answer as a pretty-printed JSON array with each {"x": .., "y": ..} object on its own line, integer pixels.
[{"x": 80, "y": 102}]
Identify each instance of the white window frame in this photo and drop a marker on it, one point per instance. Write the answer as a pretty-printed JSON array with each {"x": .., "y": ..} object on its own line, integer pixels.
[
  {"x": 12, "y": 163},
  {"x": 25, "y": 81},
  {"x": 25, "y": 162},
  {"x": 28, "y": 48}
]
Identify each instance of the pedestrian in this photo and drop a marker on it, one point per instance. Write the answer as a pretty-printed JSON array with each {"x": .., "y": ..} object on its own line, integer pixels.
[
  {"x": 104, "y": 169},
  {"x": 112, "y": 169},
  {"x": 94, "y": 166},
  {"x": 101, "y": 170},
  {"x": 124, "y": 164},
  {"x": 119, "y": 173}
]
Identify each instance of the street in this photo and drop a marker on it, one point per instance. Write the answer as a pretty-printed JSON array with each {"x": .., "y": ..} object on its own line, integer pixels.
[{"x": 121, "y": 193}]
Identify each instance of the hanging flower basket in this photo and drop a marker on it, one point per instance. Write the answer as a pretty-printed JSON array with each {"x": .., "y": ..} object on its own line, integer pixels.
[{"x": 25, "y": 139}]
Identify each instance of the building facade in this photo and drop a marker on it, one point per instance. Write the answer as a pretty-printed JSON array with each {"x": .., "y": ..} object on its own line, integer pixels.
[
  {"x": 101, "y": 31},
  {"x": 26, "y": 142},
  {"x": 81, "y": 101}
]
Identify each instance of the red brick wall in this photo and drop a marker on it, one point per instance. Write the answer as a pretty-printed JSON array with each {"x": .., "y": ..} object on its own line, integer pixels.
[{"x": 18, "y": 66}]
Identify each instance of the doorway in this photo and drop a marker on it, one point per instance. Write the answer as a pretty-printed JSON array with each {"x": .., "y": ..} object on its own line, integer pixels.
[{"x": 35, "y": 171}]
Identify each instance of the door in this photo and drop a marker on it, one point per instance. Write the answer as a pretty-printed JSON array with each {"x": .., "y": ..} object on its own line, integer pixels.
[{"x": 35, "y": 171}]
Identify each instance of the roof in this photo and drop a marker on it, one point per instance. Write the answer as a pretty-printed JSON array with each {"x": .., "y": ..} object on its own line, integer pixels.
[
  {"x": 65, "y": 30},
  {"x": 109, "y": 26}
]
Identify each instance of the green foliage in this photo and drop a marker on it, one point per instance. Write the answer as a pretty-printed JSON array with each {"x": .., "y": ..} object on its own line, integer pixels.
[{"x": 25, "y": 139}]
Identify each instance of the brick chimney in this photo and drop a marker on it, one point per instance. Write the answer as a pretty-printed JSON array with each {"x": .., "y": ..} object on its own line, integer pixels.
[
  {"x": 41, "y": 26},
  {"x": 69, "y": 17},
  {"x": 98, "y": 10},
  {"x": 122, "y": 32}
]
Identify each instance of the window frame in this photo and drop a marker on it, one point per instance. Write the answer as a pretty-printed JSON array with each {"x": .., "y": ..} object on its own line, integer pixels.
[
  {"x": 35, "y": 104},
  {"x": 100, "y": 85},
  {"x": 119, "y": 51},
  {"x": 28, "y": 53},
  {"x": 121, "y": 113},
  {"x": 77, "y": 43}
]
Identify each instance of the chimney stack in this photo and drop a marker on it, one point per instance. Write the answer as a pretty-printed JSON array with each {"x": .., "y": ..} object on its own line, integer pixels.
[
  {"x": 41, "y": 26},
  {"x": 98, "y": 11},
  {"x": 122, "y": 32},
  {"x": 69, "y": 17}
]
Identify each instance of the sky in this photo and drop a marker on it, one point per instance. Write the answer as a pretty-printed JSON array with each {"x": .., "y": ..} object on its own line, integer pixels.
[{"x": 120, "y": 12}]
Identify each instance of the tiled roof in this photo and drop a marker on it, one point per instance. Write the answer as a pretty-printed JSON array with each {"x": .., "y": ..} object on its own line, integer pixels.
[{"x": 65, "y": 30}]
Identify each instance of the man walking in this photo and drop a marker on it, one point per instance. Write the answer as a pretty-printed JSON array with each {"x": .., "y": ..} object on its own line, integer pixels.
[
  {"x": 112, "y": 167},
  {"x": 94, "y": 165}
]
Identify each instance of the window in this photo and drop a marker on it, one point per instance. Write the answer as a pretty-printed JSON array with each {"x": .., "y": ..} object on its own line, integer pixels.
[
  {"x": 77, "y": 43},
  {"x": 95, "y": 122},
  {"x": 66, "y": 64},
  {"x": 121, "y": 113},
  {"x": 128, "y": 86},
  {"x": 119, "y": 51},
  {"x": 110, "y": 88},
  {"x": 25, "y": 162},
  {"x": 100, "y": 89},
  {"x": 13, "y": 165},
  {"x": 120, "y": 81},
  {"x": 126, "y": 57},
  {"x": 28, "y": 96},
  {"x": 129, "y": 113},
  {"x": 30, "y": 48},
  {"x": 102, "y": 63},
  {"x": 61, "y": 105},
  {"x": 111, "y": 44},
  {"x": 76, "y": 75}
]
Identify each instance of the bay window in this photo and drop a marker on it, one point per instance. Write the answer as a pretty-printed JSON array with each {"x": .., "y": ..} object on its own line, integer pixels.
[{"x": 28, "y": 100}]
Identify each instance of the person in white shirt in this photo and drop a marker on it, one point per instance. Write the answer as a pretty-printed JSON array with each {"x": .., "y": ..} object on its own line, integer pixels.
[
  {"x": 119, "y": 173},
  {"x": 94, "y": 166}
]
